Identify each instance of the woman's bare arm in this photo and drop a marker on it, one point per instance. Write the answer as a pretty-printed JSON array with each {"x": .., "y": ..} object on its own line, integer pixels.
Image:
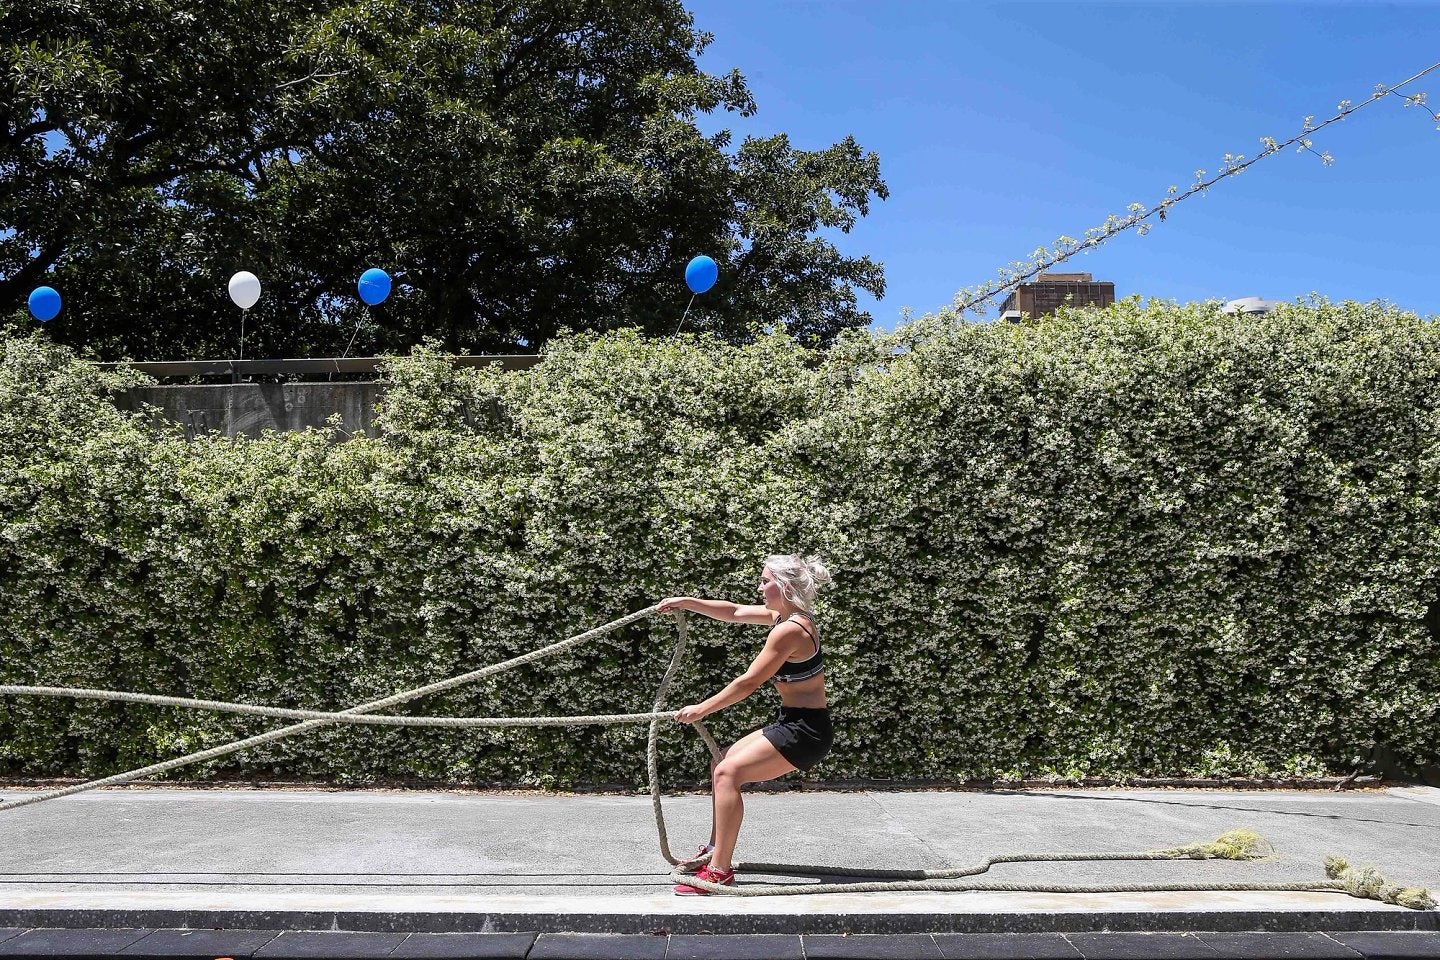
[
  {"x": 777, "y": 649},
  {"x": 719, "y": 610}
]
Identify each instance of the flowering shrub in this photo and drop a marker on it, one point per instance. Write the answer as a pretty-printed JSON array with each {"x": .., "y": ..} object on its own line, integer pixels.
[{"x": 1121, "y": 542}]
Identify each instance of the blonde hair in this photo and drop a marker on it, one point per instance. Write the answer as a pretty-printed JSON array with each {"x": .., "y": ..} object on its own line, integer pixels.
[{"x": 800, "y": 578}]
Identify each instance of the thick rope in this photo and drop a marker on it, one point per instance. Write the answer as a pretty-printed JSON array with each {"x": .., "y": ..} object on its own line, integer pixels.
[
  {"x": 652, "y": 747},
  {"x": 1364, "y": 884},
  {"x": 384, "y": 720},
  {"x": 1236, "y": 845},
  {"x": 957, "y": 886},
  {"x": 308, "y": 725}
]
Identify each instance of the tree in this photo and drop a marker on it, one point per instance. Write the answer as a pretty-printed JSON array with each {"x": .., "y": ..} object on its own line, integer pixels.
[{"x": 517, "y": 168}]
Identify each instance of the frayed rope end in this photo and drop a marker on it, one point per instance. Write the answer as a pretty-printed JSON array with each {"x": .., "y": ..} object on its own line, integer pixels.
[
  {"x": 1367, "y": 883},
  {"x": 1234, "y": 845}
]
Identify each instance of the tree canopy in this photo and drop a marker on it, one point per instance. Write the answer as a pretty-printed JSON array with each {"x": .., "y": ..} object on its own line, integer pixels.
[{"x": 517, "y": 168}]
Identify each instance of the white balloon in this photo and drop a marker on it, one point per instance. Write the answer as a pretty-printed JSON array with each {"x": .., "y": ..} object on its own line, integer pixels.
[{"x": 245, "y": 289}]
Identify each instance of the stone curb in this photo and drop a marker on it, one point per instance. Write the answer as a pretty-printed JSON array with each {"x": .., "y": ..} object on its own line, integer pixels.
[
  {"x": 172, "y": 944},
  {"x": 1094, "y": 921}
]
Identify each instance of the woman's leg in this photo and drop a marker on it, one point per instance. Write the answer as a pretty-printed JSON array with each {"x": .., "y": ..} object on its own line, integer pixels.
[
  {"x": 715, "y": 762},
  {"x": 751, "y": 760}
]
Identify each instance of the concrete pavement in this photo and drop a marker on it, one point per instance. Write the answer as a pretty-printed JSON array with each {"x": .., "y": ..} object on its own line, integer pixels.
[{"x": 483, "y": 862}]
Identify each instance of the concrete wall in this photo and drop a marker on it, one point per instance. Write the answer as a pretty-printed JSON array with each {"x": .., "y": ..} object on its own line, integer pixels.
[{"x": 249, "y": 408}]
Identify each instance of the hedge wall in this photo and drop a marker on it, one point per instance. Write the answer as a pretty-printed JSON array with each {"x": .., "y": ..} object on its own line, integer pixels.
[{"x": 1132, "y": 542}]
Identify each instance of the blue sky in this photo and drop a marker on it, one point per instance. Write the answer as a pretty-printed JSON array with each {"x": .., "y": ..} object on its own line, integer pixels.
[{"x": 1001, "y": 128}]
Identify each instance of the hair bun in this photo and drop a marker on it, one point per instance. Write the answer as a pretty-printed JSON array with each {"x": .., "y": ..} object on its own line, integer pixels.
[
  {"x": 818, "y": 572},
  {"x": 800, "y": 578}
]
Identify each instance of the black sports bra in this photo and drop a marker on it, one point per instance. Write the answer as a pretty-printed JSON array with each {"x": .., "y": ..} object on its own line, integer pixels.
[{"x": 802, "y": 669}]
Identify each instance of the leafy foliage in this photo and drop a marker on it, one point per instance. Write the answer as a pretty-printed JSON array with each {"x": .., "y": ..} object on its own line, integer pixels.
[
  {"x": 1132, "y": 541},
  {"x": 516, "y": 167}
]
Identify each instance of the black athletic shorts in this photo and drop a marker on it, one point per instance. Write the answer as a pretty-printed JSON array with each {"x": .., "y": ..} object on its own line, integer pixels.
[{"x": 802, "y": 735}]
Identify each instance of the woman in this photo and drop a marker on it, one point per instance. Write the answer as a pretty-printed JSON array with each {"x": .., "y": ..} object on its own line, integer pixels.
[{"x": 801, "y": 736}]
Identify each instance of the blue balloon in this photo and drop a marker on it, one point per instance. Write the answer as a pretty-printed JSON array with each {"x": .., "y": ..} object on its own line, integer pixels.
[
  {"x": 700, "y": 274},
  {"x": 374, "y": 286},
  {"x": 44, "y": 303}
]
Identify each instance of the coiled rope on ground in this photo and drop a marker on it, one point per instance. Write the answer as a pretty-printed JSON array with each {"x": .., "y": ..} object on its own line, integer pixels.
[{"x": 1236, "y": 845}]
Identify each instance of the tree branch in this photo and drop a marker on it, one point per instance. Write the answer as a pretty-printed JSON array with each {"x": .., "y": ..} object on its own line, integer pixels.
[
  {"x": 14, "y": 287},
  {"x": 971, "y": 299},
  {"x": 21, "y": 134}
]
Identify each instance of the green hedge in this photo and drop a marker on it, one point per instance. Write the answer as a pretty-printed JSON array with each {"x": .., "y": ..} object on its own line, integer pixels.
[{"x": 1129, "y": 542}]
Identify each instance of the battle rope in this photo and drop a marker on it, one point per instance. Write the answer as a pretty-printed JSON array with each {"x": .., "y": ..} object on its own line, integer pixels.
[
  {"x": 383, "y": 720},
  {"x": 342, "y": 717},
  {"x": 1365, "y": 883},
  {"x": 1236, "y": 845}
]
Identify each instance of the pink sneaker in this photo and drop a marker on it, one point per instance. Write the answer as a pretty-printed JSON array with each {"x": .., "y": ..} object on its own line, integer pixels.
[
  {"x": 724, "y": 878},
  {"x": 693, "y": 864}
]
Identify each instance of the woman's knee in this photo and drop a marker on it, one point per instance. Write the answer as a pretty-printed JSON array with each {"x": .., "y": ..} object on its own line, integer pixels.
[
  {"x": 726, "y": 775},
  {"x": 716, "y": 761}
]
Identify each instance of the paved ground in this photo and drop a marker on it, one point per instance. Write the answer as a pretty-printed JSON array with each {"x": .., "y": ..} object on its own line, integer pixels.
[{"x": 401, "y": 861}]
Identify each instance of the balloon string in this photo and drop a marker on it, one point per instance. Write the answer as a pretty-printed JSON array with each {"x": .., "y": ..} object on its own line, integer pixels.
[
  {"x": 242, "y": 333},
  {"x": 353, "y": 335},
  {"x": 352, "y": 341},
  {"x": 685, "y": 314}
]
